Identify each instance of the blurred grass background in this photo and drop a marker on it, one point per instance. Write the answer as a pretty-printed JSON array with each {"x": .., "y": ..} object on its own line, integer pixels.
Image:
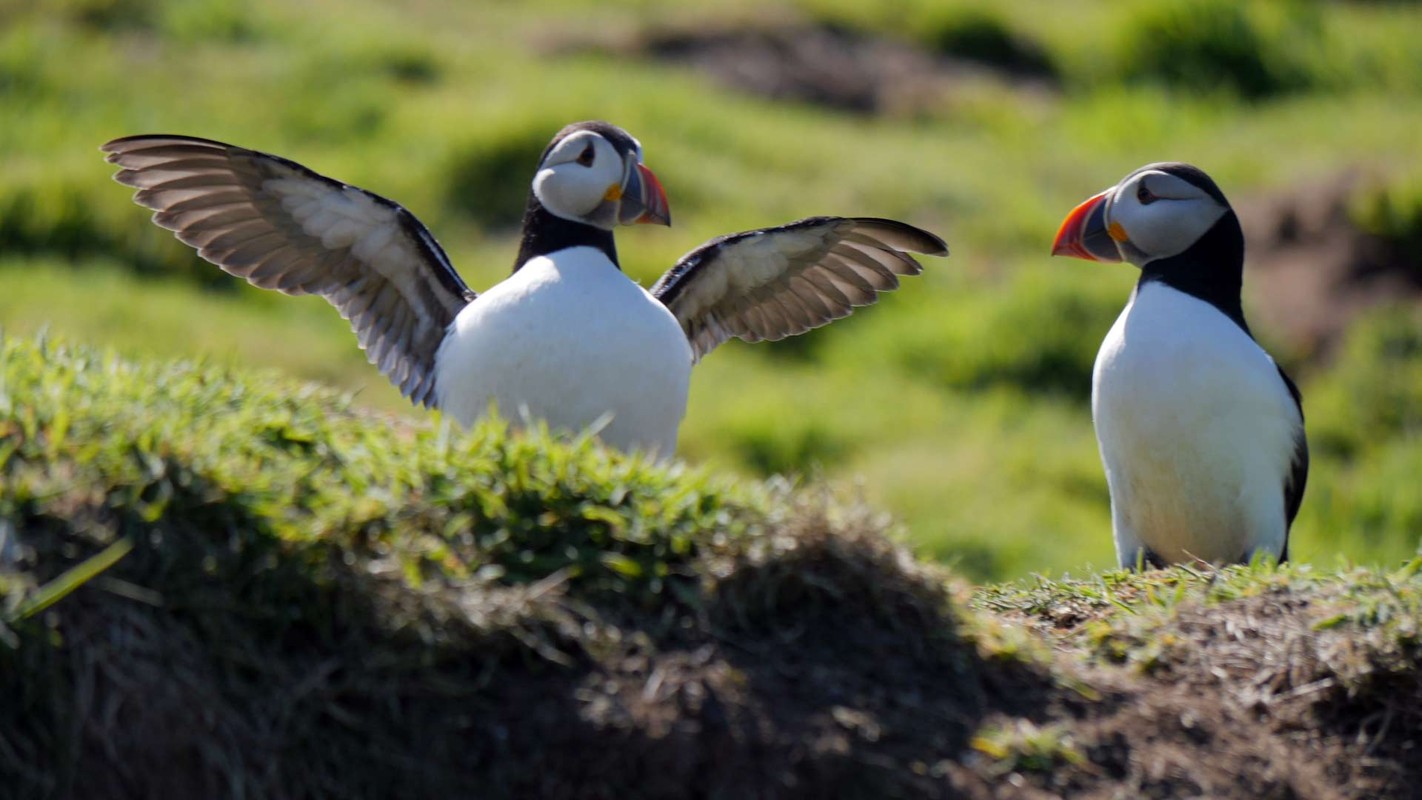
[{"x": 959, "y": 403}]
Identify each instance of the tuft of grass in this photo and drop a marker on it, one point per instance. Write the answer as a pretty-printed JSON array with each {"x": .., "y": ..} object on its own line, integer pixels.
[
  {"x": 58, "y": 220},
  {"x": 1025, "y": 746},
  {"x": 487, "y": 176},
  {"x": 984, "y": 35},
  {"x": 1393, "y": 215},
  {"x": 110, "y": 15},
  {"x": 1374, "y": 392},
  {"x": 223, "y": 22},
  {"x": 1207, "y": 46},
  {"x": 1148, "y": 618}
]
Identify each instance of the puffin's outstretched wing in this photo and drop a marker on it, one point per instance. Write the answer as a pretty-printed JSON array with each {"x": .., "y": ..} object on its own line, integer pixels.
[
  {"x": 777, "y": 282},
  {"x": 282, "y": 226}
]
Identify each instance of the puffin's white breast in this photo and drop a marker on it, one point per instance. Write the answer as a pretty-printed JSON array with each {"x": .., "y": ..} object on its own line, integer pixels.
[
  {"x": 1197, "y": 431},
  {"x": 569, "y": 339}
]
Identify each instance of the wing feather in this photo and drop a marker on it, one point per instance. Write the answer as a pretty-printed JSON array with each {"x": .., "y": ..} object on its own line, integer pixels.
[
  {"x": 824, "y": 283},
  {"x": 855, "y": 286},
  {"x": 777, "y": 282},
  {"x": 810, "y": 298},
  {"x": 281, "y": 226}
]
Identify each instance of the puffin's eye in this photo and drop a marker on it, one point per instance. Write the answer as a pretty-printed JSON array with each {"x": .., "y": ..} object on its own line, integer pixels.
[
  {"x": 586, "y": 157},
  {"x": 1143, "y": 194}
]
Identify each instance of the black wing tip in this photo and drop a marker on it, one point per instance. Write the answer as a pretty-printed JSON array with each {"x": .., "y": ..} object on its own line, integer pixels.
[
  {"x": 909, "y": 238},
  {"x": 915, "y": 239},
  {"x": 123, "y": 143},
  {"x": 117, "y": 146},
  {"x": 115, "y": 150}
]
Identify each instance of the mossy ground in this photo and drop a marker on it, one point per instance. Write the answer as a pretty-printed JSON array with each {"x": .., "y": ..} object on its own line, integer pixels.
[{"x": 310, "y": 600}]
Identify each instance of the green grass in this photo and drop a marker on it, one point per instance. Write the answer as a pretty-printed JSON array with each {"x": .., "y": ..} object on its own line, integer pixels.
[
  {"x": 1133, "y": 618},
  {"x": 370, "y": 607},
  {"x": 959, "y": 404},
  {"x": 235, "y": 521},
  {"x": 292, "y": 463}
]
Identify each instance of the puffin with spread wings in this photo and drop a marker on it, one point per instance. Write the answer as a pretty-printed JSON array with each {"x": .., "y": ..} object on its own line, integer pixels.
[{"x": 567, "y": 338}]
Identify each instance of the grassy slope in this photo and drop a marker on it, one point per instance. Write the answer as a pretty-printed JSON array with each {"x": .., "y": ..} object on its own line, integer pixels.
[
  {"x": 365, "y": 608},
  {"x": 958, "y": 404}
]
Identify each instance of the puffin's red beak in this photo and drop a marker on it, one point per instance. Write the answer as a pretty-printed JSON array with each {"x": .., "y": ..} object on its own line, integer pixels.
[
  {"x": 644, "y": 200},
  {"x": 1084, "y": 234}
]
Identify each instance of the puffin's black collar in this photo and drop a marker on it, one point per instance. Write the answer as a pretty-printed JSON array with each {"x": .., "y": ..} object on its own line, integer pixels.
[{"x": 1212, "y": 269}]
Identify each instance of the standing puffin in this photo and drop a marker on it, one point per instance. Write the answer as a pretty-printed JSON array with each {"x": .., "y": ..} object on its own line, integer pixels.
[
  {"x": 1201, "y": 433},
  {"x": 567, "y": 338}
]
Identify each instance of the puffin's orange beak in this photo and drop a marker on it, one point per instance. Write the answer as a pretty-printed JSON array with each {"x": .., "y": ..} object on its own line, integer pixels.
[
  {"x": 1084, "y": 234},
  {"x": 643, "y": 199}
]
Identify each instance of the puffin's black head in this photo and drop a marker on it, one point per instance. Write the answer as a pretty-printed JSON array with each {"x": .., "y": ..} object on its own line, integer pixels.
[
  {"x": 1155, "y": 213},
  {"x": 592, "y": 173},
  {"x": 621, "y": 141}
]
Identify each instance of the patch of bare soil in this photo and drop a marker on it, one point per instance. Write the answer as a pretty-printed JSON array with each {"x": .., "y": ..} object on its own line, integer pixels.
[
  {"x": 1312, "y": 270},
  {"x": 822, "y": 64},
  {"x": 1328, "y": 694},
  {"x": 1178, "y": 741},
  {"x": 1259, "y": 697}
]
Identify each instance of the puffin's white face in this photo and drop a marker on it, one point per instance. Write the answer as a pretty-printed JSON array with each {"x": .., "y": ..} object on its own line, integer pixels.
[
  {"x": 1153, "y": 215},
  {"x": 583, "y": 179}
]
